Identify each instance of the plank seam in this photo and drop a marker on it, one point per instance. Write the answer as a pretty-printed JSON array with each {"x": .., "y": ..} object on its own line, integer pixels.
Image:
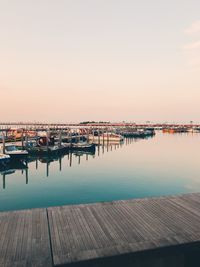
[{"x": 50, "y": 241}]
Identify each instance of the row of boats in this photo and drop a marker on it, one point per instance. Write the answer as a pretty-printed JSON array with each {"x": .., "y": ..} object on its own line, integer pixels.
[
  {"x": 17, "y": 152},
  {"x": 54, "y": 145},
  {"x": 139, "y": 133},
  {"x": 44, "y": 146},
  {"x": 181, "y": 130}
]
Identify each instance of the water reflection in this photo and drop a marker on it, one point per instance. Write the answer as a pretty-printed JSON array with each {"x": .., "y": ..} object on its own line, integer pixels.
[
  {"x": 12, "y": 168},
  {"x": 163, "y": 165},
  {"x": 73, "y": 157}
]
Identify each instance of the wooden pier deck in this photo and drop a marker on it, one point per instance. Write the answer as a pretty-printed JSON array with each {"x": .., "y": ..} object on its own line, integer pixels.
[{"x": 86, "y": 235}]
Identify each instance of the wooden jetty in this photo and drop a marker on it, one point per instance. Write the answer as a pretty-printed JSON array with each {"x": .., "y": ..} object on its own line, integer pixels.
[{"x": 163, "y": 231}]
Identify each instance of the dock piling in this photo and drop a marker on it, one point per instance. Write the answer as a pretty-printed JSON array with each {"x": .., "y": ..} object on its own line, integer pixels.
[{"x": 4, "y": 143}]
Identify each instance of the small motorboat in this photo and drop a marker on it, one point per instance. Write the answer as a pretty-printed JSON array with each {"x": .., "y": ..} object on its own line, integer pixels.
[
  {"x": 43, "y": 150},
  {"x": 83, "y": 146},
  {"x": 78, "y": 153},
  {"x": 139, "y": 133},
  {"x": 107, "y": 137},
  {"x": 13, "y": 152},
  {"x": 40, "y": 147}
]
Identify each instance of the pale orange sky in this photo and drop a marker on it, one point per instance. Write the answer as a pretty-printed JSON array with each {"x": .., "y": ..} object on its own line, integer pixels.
[{"x": 65, "y": 61}]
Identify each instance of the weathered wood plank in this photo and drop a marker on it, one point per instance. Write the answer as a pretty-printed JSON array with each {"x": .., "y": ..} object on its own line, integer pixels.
[
  {"x": 24, "y": 239},
  {"x": 116, "y": 228},
  {"x": 75, "y": 234}
]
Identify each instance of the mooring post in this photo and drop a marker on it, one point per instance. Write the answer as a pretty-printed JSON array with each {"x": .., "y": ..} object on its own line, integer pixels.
[
  {"x": 60, "y": 163},
  {"x": 26, "y": 138},
  {"x": 47, "y": 169},
  {"x": 70, "y": 159},
  {"x": 103, "y": 137},
  {"x": 98, "y": 137},
  {"x": 4, "y": 143},
  {"x": 92, "y": 135},
  {"x": 26, "y": 175},
  {"x": 15, "y": 137},
  {"x": 70, "y": 137},
  {"x": 36, "y": 136},
  {"x": 4, "y": 181},
  {"x": 22, "y": 138},
  {"x": 36, "y": 164},
  {"x": 47, "y": 140},
  {"x": 88, "y": 135},
  {"x": 79, "y": 135},
  {"x": 60, "y": 138}
]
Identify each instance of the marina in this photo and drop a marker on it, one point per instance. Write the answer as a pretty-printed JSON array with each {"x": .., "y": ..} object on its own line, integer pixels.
[
  {"x": 105, "y": 172},
  {"x": 99, "y": 133}
]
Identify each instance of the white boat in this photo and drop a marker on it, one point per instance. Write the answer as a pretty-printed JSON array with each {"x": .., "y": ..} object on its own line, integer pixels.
[
  {"x": 106, "y": 137},
  {"x": 12, "y": 151}
]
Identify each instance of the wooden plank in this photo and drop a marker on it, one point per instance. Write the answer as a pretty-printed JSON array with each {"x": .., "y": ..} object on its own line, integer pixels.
[
  {"x": 24, "y": 239},
  {"x": 71, "y": 234},
  {"x": 116, "y": 228}
]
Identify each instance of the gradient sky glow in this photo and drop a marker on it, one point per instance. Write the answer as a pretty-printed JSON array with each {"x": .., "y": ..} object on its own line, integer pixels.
[{"x": 75, "y": 60}]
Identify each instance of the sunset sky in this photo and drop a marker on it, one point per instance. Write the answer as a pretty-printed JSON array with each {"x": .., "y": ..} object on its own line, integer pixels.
[{"x": 75, "y": 60}]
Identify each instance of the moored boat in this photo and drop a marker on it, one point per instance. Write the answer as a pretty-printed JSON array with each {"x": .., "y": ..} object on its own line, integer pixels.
[
  {"x": 83, "y": 146},
  {"x": 173, "y": 130},
  {"x": 139, "y": 133},
  {"x": 40, "y": 147},
  {"x": 13, "y": 152},
  {"x": 106, "y": 137}
]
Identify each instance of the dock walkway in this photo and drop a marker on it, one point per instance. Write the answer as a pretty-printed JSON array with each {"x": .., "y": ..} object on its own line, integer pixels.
[{"x": 82, "y": 235}]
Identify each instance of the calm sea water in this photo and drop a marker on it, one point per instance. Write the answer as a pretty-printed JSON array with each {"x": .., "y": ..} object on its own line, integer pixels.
[{"x": 163, "y": 165}]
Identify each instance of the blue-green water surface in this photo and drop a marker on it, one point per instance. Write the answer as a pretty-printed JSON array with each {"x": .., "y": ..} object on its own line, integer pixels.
[{"x": 163, "y": 165}]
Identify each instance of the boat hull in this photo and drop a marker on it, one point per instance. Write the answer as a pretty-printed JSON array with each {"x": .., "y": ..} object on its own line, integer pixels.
[
  {"x": 138, "y": 134},
  {"x": 48, "y": 151},
  {"x": 16, "y": 156},
  {"x": 89, "y": 147},
  {"x": 106, "y": 138},
  {"x": 4, "y": 161}
]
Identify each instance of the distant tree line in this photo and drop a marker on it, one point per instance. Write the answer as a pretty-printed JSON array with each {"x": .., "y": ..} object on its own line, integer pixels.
[{"x": 93, "y": 122}]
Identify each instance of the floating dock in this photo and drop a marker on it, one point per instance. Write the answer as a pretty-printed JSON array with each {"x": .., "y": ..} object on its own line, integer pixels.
[{"x": 162, "y": 231}]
